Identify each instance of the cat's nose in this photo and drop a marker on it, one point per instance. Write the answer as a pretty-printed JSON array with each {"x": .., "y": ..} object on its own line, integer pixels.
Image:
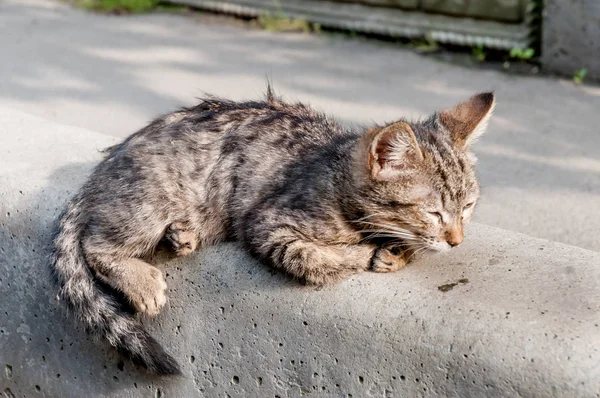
[
  {"x": 454, "y": 237},
  {"x": 453, "y": 243}
]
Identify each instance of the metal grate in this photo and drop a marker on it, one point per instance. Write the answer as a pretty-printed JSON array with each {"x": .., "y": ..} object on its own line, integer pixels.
[{"x": 392, "y": 22}]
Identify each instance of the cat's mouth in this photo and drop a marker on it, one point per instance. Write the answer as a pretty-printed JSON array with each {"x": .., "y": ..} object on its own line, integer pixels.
[
  {"x": 439, "y": 247},
  {"x": 383, "y": 233}
]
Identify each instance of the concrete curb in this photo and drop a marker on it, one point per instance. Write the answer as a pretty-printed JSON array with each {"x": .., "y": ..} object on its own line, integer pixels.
[
  {"x": 505, "y": 315},
  {"x": 571, "y": 37}
]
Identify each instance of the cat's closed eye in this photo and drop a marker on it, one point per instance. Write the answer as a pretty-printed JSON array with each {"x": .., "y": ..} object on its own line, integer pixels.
[
  {"x": 438, "y": 215},
  {"x": 468, "y": 205}
]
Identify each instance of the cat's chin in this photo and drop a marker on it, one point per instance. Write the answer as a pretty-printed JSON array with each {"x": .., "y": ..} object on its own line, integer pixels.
[{"x": 439, "y": 247}]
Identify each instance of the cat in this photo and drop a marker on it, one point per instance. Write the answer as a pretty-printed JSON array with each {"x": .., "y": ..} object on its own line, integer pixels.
[{"x": 297, "y": 190}]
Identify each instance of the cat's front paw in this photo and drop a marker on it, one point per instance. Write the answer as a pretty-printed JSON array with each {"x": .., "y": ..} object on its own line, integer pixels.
[
  {"x": 149, "y": 293},
  {"x": 388, "y": 260}
]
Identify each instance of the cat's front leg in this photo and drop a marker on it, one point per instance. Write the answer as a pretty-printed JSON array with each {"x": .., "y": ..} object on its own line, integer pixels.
[
  {"x": 313, "y": 262},
  {"x": 388, "y": 259}
]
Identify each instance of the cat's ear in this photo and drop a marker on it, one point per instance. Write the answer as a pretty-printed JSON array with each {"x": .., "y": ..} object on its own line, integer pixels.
[
  {"x": 469, "y": 119},
  {"x": 393, "y": 150}
]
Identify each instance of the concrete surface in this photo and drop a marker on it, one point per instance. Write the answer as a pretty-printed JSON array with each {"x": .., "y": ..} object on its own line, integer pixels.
[
  {"x": 571, "y": 36},
  {"x": 505, "y": 315},
  {"x": 539, "y": 163}
]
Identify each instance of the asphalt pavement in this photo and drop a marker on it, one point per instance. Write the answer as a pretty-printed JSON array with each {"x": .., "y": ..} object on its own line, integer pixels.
[{"x": 539, "y": 163}]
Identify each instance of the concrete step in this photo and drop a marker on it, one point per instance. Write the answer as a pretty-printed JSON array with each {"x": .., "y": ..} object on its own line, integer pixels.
[{"x": 505, "y": 315}]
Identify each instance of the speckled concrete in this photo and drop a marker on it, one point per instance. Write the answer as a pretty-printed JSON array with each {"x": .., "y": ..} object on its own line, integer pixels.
[{"x": 504, "y": 315}]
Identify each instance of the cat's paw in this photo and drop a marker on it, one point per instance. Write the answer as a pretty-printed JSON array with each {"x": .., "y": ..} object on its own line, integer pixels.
[
  {"x": 388, "y": 260},
  {"x": 149, "y": 292},
  {"x": 183, "y": 240}
]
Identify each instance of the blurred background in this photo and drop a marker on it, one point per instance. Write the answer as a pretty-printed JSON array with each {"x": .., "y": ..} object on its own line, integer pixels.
[{"x": 110, "y": 66}]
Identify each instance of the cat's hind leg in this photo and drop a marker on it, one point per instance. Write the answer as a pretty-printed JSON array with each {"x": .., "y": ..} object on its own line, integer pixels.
[{"x": 182, "y": 238}]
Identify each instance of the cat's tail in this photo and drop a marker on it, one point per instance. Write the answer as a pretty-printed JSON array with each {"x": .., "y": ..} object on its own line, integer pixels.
[{"x": 97, "y": 309}]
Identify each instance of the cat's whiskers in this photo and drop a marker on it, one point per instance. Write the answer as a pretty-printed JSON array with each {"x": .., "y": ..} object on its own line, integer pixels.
[
  {"x": 391, "y": 228},
  {"x": 396, "y": 239},
  {"x": 420, "y": 249},
  {"x": 366, "y": 217},
  {"x": 405, "y": 238},
  {"x": 380, "y": 234},
  {"x": 397, "y": 233},
  {"x": 387, "y": 234}
]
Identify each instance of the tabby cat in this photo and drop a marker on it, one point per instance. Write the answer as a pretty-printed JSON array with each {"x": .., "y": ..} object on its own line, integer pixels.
[{"x": 297, "y": 190}]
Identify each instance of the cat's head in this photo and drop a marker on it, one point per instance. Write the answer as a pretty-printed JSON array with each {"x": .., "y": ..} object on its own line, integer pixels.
[{"x": 416, "y": 180}]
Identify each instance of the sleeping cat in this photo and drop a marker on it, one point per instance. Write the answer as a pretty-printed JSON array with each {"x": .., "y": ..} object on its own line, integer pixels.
[{"x": 297, "y": 190}]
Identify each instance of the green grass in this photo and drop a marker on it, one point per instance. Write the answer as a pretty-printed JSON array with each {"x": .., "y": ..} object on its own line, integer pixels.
[
  {"x": 280, "y": 23},
  {"x": 133, "y": 6},
  {"x": 579, "y": 75},
  {"x": 425, "y": 46},
  {"x": 479, "y": 53},
  {"x": 522, "y": 54}
]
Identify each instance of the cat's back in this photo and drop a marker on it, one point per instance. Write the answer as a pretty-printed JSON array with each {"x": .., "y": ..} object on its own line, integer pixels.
[
  {"x": 273, "y": 151},
  {"x": 239, "y": 149},
  {"x": 265, "y": 138},
  {"x": 271, "y": 124}
]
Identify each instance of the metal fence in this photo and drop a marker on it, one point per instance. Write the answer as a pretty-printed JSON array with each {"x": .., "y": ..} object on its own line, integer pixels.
[{"x": 500, "y": 24}]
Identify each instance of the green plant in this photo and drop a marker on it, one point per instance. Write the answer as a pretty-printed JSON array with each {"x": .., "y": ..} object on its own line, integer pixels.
[
  {"x": 479, "y": 53},
  {"x": 579, "y": 75},
  {"x": 522, "y": 54},
  {"x": 316, "y": 28},
  {"x": 117, "y": 5},
  {"x": 425, "y": 46},
  {"x": 280, "y": 23}
]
